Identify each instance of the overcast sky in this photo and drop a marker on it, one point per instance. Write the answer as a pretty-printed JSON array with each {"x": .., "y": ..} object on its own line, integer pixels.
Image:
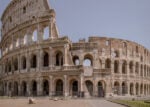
[{"x": 126, "y": 19}]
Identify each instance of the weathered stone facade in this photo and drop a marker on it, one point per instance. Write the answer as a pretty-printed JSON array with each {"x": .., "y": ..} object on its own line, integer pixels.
[{"x": 37, "y": 61}]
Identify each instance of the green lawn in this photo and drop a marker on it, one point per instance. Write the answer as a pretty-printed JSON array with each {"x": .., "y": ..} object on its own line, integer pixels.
[{"x": 132, "y": 103}]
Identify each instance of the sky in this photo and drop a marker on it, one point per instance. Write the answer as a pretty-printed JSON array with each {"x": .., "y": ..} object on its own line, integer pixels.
[{"x": 125, "y": 19}]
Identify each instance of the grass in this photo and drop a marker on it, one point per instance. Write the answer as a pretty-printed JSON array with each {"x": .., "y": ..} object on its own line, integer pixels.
[{"x": 130, "y": 103}]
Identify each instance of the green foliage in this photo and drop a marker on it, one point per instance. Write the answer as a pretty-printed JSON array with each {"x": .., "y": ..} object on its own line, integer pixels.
[{"x": 132, "y": 103}]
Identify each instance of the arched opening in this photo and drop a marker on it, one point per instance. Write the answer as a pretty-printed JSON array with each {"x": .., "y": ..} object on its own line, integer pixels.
[
  {"x": 89, "y": 87},
  {"x": 46, "y": 59},
  {"x": 124, "y": 88},
  {"x": 34, "y": 88},
  {"x": 145, "y": 71},
  {"x": 10, "y": 89},
  {"x": 137, "y": 89},
  {"x": 131, "y": 67},
  {"x": 88, "y": 60},
  {"x": 137, "y": 68},
  {"x": 108, "y": 63},
  {"x": 34, "y": 36},
  {"x": 24, "y": 88},
  {"x": 141, "y": 89},
  {"x": 141, "y": 73},
  {"x": 116, "y": 88},
  {"x": 45, "y": 88},
  {"x": 24, "y": 63},
  {"x": 34, "y": 61},
  {"x": 59, "y": 59},
  {"x": 116, "y": 67},
  {"x": 124, "y": 67},
  {"x": 74, "y": 88},
  {"x": 131, "y": 89},
  {"x": 116, "y": 54},
  {"x": 16, "y": 64},
  {"x": 145, "y": 89},
  {"x": 76, "y": 60},
  {"x": 101, "y": 89},
  {"x": 15, "y": 89},
  {"x": 25, "y": 40},
  {"x": 59, "y": 88},
  {"x": 46, "y": 33}
]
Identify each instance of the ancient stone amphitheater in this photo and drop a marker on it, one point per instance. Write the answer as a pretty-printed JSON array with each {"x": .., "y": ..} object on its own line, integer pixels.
[{"x": 36, "y": 61}]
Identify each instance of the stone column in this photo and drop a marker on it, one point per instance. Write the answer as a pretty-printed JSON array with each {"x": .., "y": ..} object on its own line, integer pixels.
[
  {"x": 108, "y": 88},
  {"x": 29, "y": 89},
  {"x": 29, "y": 38},
  {"x": 19, "y": 88},
  {"x": 51, "y": 64},
  {"x": 40, "y": 33},
  {"x": 66, "y": 93},
  {"x": 66, "y": 49},
  {"x": 134, "y": 69},
  {"x": 82, "y": 82},
  {"x": 112, "y": 66},
  {"x": 120, "y": 67},
  {"x": 39, "y": 59},
  {"x": 39, "y": 87},
  {"x": 51, "y": 85},
  {"x": 96, "y": 60},
  {"x": 28, "y": 56}
]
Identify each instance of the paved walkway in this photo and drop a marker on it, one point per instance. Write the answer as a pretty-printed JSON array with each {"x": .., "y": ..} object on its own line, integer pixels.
[
  {"x": 102, "y": 103},
  {"x": 61, "y": 103}
]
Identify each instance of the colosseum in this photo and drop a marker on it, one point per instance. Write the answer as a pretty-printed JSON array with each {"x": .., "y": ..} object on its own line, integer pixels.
[{"x": 37, "y": 61}]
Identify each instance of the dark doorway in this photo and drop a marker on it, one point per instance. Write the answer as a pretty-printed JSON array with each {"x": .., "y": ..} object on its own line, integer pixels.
[
  {"x": 59, "y": 88},
  {"x": 101, "y": 92}
]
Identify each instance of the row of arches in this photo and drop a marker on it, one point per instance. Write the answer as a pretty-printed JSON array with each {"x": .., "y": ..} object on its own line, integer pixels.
[
  {"x": 131, "y": 88},
  {"x": 28, "y": 37},
  {"x": 32, "y": 88},
  {"x": 33, "y": 60}
]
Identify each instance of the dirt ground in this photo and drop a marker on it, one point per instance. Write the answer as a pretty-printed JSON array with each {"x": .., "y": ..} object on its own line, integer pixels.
[{"x": 45, "y": 102}]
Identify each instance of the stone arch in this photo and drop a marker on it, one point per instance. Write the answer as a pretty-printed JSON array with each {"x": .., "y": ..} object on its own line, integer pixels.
[
  {"x": 101, "y": 85},
  {"x": 108, "y": 63},
  {"x": 15, "y": 88},
  {"x": 144, "y": 70},
  {"x": 25, "y": 39},
  {"x": 141, "y": 89},
  {"x": 45, "y": 87},
  {"x": 59, "y": 87},
  {"x": 124, "y": 67},
  {"x": 34, "y": 35},
  {"x": 137, "y": 88},
  {"x": 116, "y": 53},
  {"x": 33, "y": 61},
  {"x": 74, "y": 87},
  {"x": 137, "y": 68},
  {"x": 116, "y": 88},
  {"x": 131, "y": 66},
  {"x": 131, "y": 89},
  {"x": 89, "y": 87},
  {"x": 45, "y": 59},
  {"x": 59, "y": 58},
  {"x": 116, "y": 66},
  {"x": 141, "y": 73},
  {"x": 88, "y": 60},
  {"x": 34, "y": 88},
  {"x": 76, "y": 60},
  {"x": 46, "y": 33},
  {"x": 15, "y": 63},
  {"x": 24, "y": 62},
  {"x": 124, "y": 88},
  {"x": 24, "y": 88}
]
